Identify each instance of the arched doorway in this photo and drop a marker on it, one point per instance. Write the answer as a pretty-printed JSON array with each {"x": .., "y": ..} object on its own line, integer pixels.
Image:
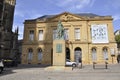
[
  {"x": 40, "y": 55},
  {"x": 78, "y": 55},
  {"x": 67, "y": 53},
  {"x": 94, "y": 54},
  {"x": 30, "y": 55},
  {"x": 105, "y": 53}
]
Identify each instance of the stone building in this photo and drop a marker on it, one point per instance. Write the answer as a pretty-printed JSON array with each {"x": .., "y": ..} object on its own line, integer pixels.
[
  {"x": 19, "y": 51},
  {"x": 117, "y": 33},
  {"x": 8, "y": 38},
  {"x": 88, "y": 36}
]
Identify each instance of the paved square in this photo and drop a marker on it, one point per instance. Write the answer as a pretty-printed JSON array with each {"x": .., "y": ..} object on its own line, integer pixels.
[{"x": 39, "y": 72}]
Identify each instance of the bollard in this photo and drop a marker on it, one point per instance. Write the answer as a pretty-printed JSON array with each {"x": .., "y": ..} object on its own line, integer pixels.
[
  {"x": 94, "y": 65},
  {"x": 81, "y": 65},
  {"x": 106, "y": 66}
]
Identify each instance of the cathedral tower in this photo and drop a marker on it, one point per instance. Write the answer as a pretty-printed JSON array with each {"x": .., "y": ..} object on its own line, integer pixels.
[{"x": 6, "y": 23}]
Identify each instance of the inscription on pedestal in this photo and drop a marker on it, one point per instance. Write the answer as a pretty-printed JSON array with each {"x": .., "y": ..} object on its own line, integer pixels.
[{"x": 58, "y": 48}]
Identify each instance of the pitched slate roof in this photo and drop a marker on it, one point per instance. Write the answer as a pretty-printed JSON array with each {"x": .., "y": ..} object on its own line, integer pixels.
[
  {"x": 46, "y": 16},
  {"x": 90, "y": 15},
  {"x": 87, "y": 14}
]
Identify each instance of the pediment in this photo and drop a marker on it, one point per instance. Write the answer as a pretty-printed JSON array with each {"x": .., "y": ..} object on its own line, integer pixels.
[{"x": 66, "y": 17}]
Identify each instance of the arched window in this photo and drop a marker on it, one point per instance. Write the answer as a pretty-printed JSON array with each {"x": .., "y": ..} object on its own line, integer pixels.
[
  {"x": 105, "y": 53},
  {"x": 40, "y": 55},
  {"x": 94, "y": 54},
  {"x": 30, "y": 55}
]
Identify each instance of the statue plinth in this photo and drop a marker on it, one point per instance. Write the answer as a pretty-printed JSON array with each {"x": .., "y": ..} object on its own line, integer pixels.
[
  {"x": 59, "y": 53},
  {"x": 59, "y": 47}
]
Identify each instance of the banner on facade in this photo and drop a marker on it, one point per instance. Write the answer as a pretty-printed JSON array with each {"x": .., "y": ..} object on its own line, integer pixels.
[{"x": 99, "y": 33}]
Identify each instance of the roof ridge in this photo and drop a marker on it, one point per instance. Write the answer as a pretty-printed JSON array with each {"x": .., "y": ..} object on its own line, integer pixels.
[{"x": 88, "y": 14}]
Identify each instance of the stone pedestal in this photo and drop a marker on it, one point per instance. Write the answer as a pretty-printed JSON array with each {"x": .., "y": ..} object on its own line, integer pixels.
[{"x": 59, "y": 53}]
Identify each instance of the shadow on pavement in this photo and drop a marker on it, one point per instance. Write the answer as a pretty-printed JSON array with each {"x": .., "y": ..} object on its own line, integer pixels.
[
  {"x": 10, "y": 70},
  {"x": 23, "y": 66},
  {"x": 7, "y": 72},
  {"x": 100, "y": 68}
]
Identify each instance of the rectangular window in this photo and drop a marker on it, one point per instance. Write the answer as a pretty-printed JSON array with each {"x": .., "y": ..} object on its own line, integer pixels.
[
  {"x": 77, "y": 33},
  {"x": 54, "y": 34},
  {"x": 66, "y": 34},
  {"x": 40, "y": 35},
  {"x": 31, "y": 35}
]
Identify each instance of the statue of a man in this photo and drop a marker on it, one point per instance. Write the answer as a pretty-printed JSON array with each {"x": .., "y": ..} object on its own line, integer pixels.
[{"x": 60, "y": 31}]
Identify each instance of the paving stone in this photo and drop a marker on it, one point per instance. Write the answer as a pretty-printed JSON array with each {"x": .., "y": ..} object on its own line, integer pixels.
[{"x": 39, "y": 72}]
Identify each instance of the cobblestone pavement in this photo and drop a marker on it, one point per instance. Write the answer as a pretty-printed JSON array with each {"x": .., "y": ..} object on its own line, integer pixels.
[{"x": 40, "y": 73}]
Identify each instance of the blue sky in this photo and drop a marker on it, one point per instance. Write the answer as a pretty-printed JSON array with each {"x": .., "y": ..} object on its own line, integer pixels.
[{"x": 30, "y": 9}]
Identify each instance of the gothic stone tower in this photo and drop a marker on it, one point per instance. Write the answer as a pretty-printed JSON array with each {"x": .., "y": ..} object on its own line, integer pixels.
[{"x": 8, "y": 39}]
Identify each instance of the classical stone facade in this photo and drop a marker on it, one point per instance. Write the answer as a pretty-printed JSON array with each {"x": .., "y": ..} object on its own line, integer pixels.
[
  {"x": 8, "y": 38},
  {"x": 88, "y": 37},
  {"x": 117, "y": 33}
]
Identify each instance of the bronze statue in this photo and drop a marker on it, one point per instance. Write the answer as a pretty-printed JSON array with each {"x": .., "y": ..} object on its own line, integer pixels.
[{"x": 60, "y": 31}]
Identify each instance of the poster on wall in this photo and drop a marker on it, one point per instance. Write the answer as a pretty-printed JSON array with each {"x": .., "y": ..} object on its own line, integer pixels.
[{"x": 99, "y": 33}]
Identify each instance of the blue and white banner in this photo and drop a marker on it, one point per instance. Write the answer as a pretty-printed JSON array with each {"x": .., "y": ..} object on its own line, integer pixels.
[{"x": 99, "y": 33}]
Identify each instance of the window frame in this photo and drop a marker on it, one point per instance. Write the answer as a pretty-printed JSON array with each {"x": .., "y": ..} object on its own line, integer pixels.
[
  {"x": 94, "y": 54},
  {"x": 66, "y": 34},
  {"x": 77, "y": 33},
  {"x": 54, "y": 34},
  {"x": 31, "y": 35},
  {"x": 105, "y": 53},
  {"x": 40, "y": 54},
  {"x": 40, "y": 36},
  {"x": 30, "y": 55}
]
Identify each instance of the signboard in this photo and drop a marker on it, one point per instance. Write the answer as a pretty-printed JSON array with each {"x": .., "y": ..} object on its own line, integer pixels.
[
  {"x": 58, "y": 48},
  {"x": 99, "y": 33}
]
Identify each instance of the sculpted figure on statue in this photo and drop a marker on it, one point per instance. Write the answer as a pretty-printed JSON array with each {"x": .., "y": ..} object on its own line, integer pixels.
[{"x": 60, "y": 31}]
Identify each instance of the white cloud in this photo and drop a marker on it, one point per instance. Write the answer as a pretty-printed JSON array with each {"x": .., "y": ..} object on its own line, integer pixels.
[
  {"x": 73, "y": 4},
  {"x": 20, "y": 35},
  {"x": 116, "y": 17},
  {"x": 27, "y": 14},
  {"x": 33, "y": 14},
  {"x": 21, "y": 30}
]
